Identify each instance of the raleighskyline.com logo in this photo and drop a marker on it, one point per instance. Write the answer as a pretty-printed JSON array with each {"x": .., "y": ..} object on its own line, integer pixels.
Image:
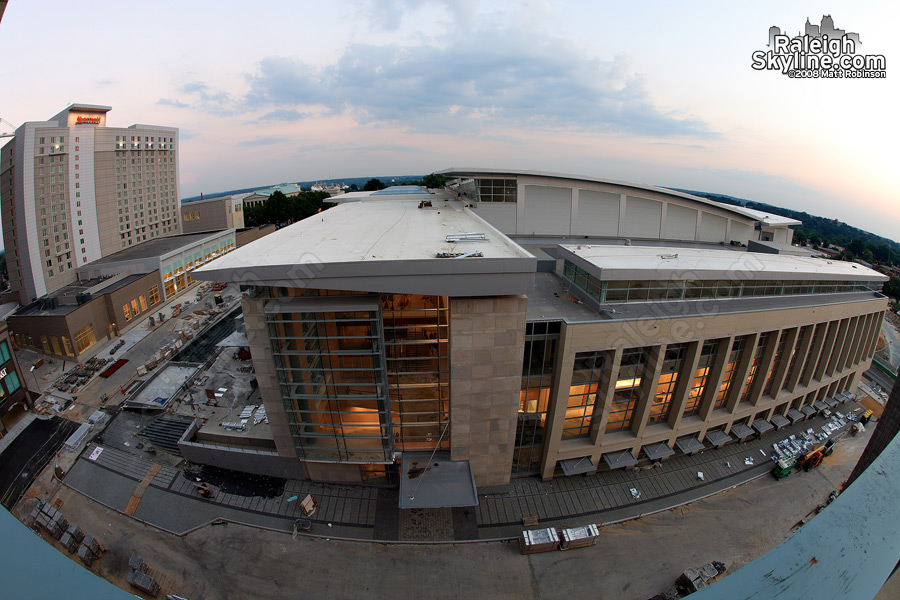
[{"x": 820, "y": 52}]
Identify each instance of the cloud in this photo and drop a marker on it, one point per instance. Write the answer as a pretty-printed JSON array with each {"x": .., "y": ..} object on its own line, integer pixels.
[
  {"x": 263, "y": 141},
  {"x": 175, "y": 103},
  {"x": 389, "y": 14},
  {"x": 478, "y": 82},
  {"x": 482, "y": 81},
  {"x": 284, "y": 114}
]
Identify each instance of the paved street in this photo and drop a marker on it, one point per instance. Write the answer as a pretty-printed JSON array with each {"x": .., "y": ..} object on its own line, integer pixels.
[
  {"x": 632, "y": 560},
  {"x": 368, "y": 513},
  {"x": 893, "y": 341}
]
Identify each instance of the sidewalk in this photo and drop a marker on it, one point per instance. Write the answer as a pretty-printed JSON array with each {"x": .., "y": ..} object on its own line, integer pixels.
[{"x": 362, "y": 513}]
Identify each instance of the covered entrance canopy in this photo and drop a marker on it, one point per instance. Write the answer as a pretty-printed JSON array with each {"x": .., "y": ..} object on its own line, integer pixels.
[{"x": 428, "y": 481}]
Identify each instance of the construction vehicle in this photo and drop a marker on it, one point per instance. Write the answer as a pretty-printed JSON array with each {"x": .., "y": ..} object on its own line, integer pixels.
[
  {"x": 784, "y": 467},
  {"x": 814, "y": 457}
]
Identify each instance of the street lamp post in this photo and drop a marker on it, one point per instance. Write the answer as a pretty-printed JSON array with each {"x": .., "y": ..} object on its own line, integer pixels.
[{"x": 36, "y": 382}]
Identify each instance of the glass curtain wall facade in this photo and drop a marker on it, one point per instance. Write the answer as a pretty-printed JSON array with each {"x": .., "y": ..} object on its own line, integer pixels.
[
  {"x": 642, "y": 290},
  {"x": 417, "y": 352},
  {"x": 541, "y": 344},
  {"x": 628, "y": 389},
  {"x": 586, "y": 376},
  {"x": 728, "y": 376},
  {"x": 701, "y": 378},
  {"x": 753, "y": 371},
  {"x": 358, "y": 385},
  {"x": 673, "y": 363},
  {"x": 332, "y": 377}
]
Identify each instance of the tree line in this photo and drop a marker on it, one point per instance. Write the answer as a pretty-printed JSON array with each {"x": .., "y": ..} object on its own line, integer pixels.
[{"x": 281, "y": 210}]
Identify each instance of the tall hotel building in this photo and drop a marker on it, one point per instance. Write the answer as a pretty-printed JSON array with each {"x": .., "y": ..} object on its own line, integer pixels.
[
  {"x": 527, "y": 323},
  {"x": 74, "y": 190}
]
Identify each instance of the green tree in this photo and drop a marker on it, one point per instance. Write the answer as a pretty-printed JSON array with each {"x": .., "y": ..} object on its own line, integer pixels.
[
  {"x": 434, "y": 180},
  {"x": 892, "y": 288},
  {"x": 373, "y": 185}
]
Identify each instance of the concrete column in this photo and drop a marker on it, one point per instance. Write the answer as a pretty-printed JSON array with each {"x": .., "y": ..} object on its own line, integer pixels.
[
  {"x": 814, "y": 351},
  {"x": 790, "y": 342},
  {"x": 264, "y": 366},
  {"x": 648, "y": 389},
  {"x": 684, "y": 383},
  {"x": 861, "y": 329},
  {"x": 827, "y": 347},
  {"x": 873, "y": 338},
  {"x": 864, "y": 338},
  {"x": 520, "y": 207},
  {"x": 838, "y": 347},
  {"x": 487, "y": 340},
  {"x": 849, "y": 341},
  {"x": 762, "y": 370},
  {"x": 740, "y": 376},
  {"x": 715, "y": 378},
  {"x": 559, "y": 400},
  {"x": 573, "y": 222},
  {"x": 604, "y": 400},
  {"x": 803, "y": 347}
]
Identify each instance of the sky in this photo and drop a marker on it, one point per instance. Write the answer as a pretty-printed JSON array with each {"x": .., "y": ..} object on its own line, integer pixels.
[{"x": 654, "y": 92}]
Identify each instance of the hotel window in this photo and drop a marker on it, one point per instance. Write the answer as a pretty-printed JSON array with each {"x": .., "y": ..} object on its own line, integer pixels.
[
  {"x": 628, "y": 389},
  {"x": 673, "y": 362},
  {"x": 135, "y": 308},
  {"x": 143, "y": 302},
  {"x": 127, "y": 311}
]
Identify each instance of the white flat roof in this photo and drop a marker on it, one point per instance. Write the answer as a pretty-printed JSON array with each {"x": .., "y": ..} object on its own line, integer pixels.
[
  {"x": 378, "y": 243},
  {"x": 617, "y": 263},
  {"x": 757, "y": 215}
]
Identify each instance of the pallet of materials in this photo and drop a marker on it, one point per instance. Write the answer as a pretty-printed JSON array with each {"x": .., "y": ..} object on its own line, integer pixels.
[
  {"x": 579, "y": 537},
  {"x": 539, "y": 540}
]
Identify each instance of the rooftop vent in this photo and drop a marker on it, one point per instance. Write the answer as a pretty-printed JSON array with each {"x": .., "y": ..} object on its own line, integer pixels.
[
  {"x": 465, "y": 237},
  {"x": 459, "y": 255}
]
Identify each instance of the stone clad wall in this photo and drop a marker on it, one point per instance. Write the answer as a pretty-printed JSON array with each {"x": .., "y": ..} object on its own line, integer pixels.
[{"x": 487, "y": 337}]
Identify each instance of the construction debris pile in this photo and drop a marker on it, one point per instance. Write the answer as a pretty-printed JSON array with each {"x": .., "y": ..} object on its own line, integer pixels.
[
  {"x": 796, "y": 445},
  {"x": 78, "y": 376},
  {"x": 692, "y": 580}
]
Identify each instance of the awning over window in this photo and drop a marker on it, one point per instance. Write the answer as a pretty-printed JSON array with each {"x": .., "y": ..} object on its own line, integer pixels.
[
  {"x": 658, "y": 451},
  {"x": 741, "y": 431},
  {"x": 577, "y": 466},
  {"x": 620, "y": 460},
  {"x": 807, "y": 410},
  {"x": 761, "y": 426},
  {"x": 819, "y": 405},
  {"x": 794, "y": 415},
  {"x": 718, "y": 437},
  {"x": 779, "y": 421},
  {"x": 689, "y": 444},
  {"x": 830, "y": 402},
  {"x": 435, "y": 483}
]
